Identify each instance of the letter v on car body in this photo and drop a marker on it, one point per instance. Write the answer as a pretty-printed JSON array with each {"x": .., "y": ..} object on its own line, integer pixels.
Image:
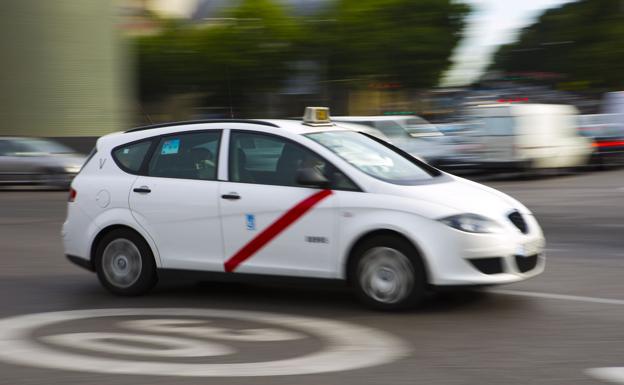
[{"x": 285, "y": 198}]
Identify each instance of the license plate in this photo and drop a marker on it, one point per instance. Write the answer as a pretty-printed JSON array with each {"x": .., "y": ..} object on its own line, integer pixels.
[{"x": 529, "y": 248}]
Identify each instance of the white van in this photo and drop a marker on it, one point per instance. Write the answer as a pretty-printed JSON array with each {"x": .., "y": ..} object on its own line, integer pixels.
[{"x": 529, "y": 136}]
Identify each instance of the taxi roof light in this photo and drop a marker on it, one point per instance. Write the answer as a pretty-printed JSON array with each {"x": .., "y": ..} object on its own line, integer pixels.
[{"x": 316, "y": 116}]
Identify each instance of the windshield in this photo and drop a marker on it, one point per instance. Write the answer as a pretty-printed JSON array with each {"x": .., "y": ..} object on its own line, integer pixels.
[
  {"x": 421, "y": 127},
  {"x": 40, "y": 146},
  {"x": 372, "y": 157}
]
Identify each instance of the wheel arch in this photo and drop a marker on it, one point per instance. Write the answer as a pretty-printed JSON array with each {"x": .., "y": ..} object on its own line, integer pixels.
[
  {"x": 106, "y": 230},
  {"x": 351, "y": 257}
]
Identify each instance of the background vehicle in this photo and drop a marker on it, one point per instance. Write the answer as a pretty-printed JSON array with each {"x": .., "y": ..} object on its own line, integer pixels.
[
  {"x": 410, "y": 133},
  {"x": 529, "y": 136},
  {"x": 36, "y": 161},
  {"x": 607, "y": 138},
  {"x": 365, "y": 129}
]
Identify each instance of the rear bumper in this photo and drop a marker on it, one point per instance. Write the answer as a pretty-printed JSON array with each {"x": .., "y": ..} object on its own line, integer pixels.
[{"x": 84, "y": 263}]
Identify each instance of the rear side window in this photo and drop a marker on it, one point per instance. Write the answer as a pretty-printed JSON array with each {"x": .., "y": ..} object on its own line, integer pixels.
[
  {"x": 130, "y": 157},
  {"x": 186, "y": 156}
]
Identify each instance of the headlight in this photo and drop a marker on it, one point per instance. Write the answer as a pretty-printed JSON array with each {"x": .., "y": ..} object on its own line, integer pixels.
[
  {"x": 72, "y": 169},
  {"x": 471, "y": 223}
]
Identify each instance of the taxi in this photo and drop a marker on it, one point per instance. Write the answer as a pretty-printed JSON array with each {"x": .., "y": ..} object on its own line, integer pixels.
[{"x": 290, "y": 198}]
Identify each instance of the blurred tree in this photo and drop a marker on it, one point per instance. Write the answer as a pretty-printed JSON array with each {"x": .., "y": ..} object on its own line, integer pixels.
[
  {"x": 581, "y": 41},
  {"x": 252, "y": 48},
  {"x": 404, "y": 41},
  {"x": 244, "y": 52}
]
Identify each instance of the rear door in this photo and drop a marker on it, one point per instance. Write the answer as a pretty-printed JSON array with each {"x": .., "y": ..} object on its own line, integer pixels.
[{"x": 176, "y": 201}]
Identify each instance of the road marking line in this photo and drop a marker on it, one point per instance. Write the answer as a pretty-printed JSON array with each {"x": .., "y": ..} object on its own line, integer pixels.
[
  {"x": 565, "y": 297},
  {"x": 615, "y": 375},
  {"x": 274, "y": 229},
  {"x": 609, "y": 374}
]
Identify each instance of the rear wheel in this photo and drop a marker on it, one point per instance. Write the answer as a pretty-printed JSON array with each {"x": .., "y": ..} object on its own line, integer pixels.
[
  {"x": 125, "y": 264},
  {"x": 387, "y": 273}
]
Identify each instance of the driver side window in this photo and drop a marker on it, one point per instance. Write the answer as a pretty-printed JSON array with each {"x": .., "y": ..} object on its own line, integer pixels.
[{"x": 268, "y": 159}]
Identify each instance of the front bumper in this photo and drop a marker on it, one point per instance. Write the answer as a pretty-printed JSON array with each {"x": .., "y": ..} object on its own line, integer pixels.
[{"x": 486, "y": 259}]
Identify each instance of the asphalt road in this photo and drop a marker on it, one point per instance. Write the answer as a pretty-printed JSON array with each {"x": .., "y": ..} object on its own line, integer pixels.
[{"x": 548, "y": 330}]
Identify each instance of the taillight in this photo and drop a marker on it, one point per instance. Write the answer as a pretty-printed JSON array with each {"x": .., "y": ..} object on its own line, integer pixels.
[{"x": 72, "y": 195}]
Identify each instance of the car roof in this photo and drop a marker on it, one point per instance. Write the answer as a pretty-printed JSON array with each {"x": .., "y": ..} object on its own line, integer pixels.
[
  {"x": 528, "y": 108},
  {"x": 296, "y": 127},
  {"x": 291, "y": 125}
]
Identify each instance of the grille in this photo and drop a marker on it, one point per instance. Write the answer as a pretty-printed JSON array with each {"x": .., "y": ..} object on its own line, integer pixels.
[
  {"x": 526, "y": 263},
  {"x": 516, "y": 218},
  {"x": 492, "y": 265}
]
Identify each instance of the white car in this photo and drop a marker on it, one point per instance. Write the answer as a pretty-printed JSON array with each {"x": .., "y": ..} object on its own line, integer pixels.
[{"x": 249, "y": 198}]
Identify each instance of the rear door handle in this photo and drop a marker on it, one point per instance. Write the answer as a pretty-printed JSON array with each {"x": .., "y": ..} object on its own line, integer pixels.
[
  {"x": 142, "y": 190},
  {"x": 231, "y": 196}
]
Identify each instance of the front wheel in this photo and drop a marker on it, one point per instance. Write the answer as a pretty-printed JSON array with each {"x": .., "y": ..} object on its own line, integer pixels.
[
  {"x": 125, "y": 264},
  {"x": 388, "y": 274}
]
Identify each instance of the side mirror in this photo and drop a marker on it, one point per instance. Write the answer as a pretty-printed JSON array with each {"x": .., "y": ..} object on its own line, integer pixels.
[{"x": 311, "y": 177}]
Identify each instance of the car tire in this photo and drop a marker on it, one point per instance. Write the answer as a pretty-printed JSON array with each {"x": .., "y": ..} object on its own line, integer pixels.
[
  {"x": 124, "y": 263},
  {"x": 387, "y": 273}
]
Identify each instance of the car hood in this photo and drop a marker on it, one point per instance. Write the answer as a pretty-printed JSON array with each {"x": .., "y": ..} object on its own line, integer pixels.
[{"x": 456, "y": 195}]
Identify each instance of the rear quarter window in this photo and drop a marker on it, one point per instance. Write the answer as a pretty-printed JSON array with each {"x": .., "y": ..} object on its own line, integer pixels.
[{"x": 130, "y": 157}]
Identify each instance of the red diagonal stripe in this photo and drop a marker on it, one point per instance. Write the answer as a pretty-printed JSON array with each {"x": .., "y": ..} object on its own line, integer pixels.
[{"x": 287, "y": 219}]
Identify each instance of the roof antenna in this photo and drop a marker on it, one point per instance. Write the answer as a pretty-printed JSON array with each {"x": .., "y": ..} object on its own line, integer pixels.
[
  {"x": 227, "y": 75},
  {"x": 145, "y": 114}
]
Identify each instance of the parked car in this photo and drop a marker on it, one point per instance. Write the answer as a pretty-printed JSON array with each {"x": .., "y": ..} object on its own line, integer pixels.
[
  {"x": 529, "y": 136},
  {"x": 410, "y": 133},
  {"x": 365, "y": 129},
  {"x": 607, "y": 137},
  {"x": 35, "y": 161}
]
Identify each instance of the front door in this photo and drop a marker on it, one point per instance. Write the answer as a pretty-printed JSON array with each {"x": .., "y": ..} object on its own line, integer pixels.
[
  {"x": 177, "y": 201},
  {"x": 271, "y": 224}
]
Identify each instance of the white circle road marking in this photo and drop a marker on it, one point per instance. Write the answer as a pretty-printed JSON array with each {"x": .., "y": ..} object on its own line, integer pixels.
[
  {"x": 198, "y": 329},
  {"x": 172, "y": 346},
  {"x": 346, "y": 346},
  {"x": 614, "y": 374}
]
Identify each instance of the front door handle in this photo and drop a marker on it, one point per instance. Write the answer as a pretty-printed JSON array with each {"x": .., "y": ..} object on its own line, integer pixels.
[
  {"x": 231, "y": 196},
  {"x": 142, "y": 190}
]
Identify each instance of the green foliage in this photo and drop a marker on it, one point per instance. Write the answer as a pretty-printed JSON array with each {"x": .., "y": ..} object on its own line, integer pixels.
[
  {"x": 253, "y": 46},
  {"x": 248, "y": 48},
  {"x": 408, "y": 41},
  {"x": 582, "y": 41}
]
